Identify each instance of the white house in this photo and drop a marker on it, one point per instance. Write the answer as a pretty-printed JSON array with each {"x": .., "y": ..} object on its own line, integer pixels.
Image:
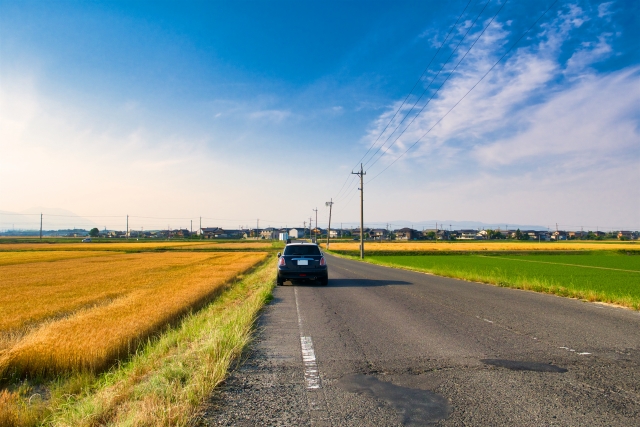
[{"x": 296, "y": 233}]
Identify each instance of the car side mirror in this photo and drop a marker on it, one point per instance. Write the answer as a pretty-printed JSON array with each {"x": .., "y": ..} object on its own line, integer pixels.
[{"x": 279, "y": 254}]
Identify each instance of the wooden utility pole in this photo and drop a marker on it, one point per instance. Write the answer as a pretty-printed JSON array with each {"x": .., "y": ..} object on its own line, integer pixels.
[
  {"x": 40, "y": 225},
  {"x": 191, "y": 228},
  {"x": 127, "y": 227},
  {"x": 200, "y": 229},
  {"x": 361, "y": 174},
  {"x": 315, "y": 230},
  {"x": 330, "y": 204}
]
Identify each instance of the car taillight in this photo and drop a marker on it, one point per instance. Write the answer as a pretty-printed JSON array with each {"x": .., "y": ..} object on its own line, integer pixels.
[
  {"x": 281, "y": 261},
  {"x": 322, "y": 261}
]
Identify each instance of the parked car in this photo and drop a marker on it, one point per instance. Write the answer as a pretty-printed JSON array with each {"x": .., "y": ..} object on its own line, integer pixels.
[
  {"x": 302, "y": 262},
  {"x": 87, "y": 240}
]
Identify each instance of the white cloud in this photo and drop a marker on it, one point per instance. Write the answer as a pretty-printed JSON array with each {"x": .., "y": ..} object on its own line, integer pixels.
[
  {"x": 604, "y": 9},
  {"x": 589, "y": 122},
  {"x": 537, "y": 129},
  {"x": 275, "y": 116}
]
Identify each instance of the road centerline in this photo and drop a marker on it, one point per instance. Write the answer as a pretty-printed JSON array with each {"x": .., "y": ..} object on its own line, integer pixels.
[{"x": 318, "y": 408}]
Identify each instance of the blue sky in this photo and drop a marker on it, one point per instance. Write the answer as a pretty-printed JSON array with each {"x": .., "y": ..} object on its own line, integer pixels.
[{"x": 243, "y": 110}]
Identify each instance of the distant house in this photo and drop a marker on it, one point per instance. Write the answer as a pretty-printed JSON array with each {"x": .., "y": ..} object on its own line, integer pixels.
[
  {"x": 379, "y": 233},
  {"x": 559, "y": 235},
  {"x": 356, "y": 232},
  {"x": 469, "y": 235},
  {"x": 269, "y": 233},
  {"x": 443, "y": 235},
  {"x": 211, "y": 232},
  {"x": 626, "y": 235},
  {"x": 297, "y": 233},
  {"x": 406, "y": 234}
]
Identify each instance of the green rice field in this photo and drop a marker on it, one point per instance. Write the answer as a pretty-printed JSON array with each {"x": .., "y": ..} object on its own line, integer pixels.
[{"x": 611, "y": 277}]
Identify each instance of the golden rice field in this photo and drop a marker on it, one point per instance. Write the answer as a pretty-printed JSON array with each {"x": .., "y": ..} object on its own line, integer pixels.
[
  {"x": 26, "y": 257},
  {"x": 239, "y": 245},
  {"x": 84, "y": 310},
  {"x": 116, "y": 246},
  {"x": 483, "y": 246}
]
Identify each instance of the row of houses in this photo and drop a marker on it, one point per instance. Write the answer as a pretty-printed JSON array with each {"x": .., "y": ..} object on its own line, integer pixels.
[
  {"x": 470, "y": 234},
  {"x": 405, "y": 233}
]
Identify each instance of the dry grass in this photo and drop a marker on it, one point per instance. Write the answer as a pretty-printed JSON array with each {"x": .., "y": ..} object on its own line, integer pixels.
[
  {"x": 90, "y": 312},
  {"x": 233, "y": 245},
  {"x": 483, "y": 246},
  {"x": 115, "y": 246},
  {"x": 26, "y": 257},
  {"x": 164, "y": 383}
]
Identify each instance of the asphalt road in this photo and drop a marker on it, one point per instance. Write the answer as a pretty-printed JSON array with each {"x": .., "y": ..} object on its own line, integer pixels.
[{"x": 388, "y": 347}]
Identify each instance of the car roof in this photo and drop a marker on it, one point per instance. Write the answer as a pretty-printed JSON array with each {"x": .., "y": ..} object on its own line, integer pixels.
[{"x": 301, "y": 243}]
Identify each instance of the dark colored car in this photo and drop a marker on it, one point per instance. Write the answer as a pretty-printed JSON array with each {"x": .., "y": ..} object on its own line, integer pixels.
[{"x": 302, "y": 262}]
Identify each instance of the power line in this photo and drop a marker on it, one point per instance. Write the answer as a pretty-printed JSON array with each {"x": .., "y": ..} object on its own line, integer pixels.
[
  {"x": 445, "y": 80},
  {"x": 428, "y": 86},
  {"x": 416, "y": 83},
  {"x": 408, "y": 95},
  {"x": 469, "y": 91}
]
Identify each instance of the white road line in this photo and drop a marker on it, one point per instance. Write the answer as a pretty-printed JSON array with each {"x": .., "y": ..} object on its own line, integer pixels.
[{"x": 311, "y": 375}]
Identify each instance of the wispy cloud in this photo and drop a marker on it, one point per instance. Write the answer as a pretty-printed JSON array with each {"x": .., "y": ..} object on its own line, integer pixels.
[
  {"x": 274, "y": 116},
  {"x": 536, "y": 115}
]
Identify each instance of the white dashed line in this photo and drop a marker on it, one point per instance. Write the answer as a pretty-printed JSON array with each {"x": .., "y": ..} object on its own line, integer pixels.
[
  {"x": 584, "y": 353},
  {"x": 311, "y": 375}
]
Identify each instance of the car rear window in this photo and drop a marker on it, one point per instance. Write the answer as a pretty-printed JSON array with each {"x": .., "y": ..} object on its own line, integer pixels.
[{"x": 302, "y": 250}]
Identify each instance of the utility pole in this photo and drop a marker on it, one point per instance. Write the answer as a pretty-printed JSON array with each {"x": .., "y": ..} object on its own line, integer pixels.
[
  {"x": 361, "y": 174},
  {"x": 315, "y": 230},
  {"x": 310, "y": 227},
  {"x": 191, "y": 227},
  {"x": 330, "y": 204},
  {"x": 304, "y": 227},
  {"x": 40, "y": 225},
  {"x": 257, "y": 227},
  {"x": 127, "y": 227},
  {"x": 200, "y": 229}
]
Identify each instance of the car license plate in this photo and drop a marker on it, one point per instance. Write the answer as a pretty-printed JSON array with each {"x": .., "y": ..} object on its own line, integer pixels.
[{"x": 303, "y": 262}]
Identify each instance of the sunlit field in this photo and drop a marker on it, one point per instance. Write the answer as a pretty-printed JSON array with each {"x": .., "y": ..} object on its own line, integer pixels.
[
  {"x": 484, "y": 245},
  {"x": 85, "y": 310},
  {"x": 606, "y": 276},
  {"x": 240, "y": 245},
  {"x": 97, "y": 246},
  {"x": 25, "y": 257}
]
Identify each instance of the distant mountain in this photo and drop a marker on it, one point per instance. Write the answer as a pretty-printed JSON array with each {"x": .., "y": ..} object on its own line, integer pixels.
[
  {"x": 52, "y": 219},
  {"x": 459, "y": 225}
]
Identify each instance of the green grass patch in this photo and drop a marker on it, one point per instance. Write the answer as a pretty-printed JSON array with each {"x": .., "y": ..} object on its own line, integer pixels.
[{"x": 610, "y": 276}]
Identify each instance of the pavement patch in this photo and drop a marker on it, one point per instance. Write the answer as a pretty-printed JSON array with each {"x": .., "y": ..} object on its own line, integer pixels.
[
  {"x": 414, "y": 406},
  {"x": 516, "y": 365}
]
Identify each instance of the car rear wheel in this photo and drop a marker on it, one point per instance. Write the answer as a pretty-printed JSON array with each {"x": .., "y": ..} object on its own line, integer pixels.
[
  {"x": 279, "y": 281},
  {"x": 324, "y": 281}
]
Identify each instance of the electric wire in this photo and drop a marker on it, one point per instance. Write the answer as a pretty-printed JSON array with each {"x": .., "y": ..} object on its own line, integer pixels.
[
  {"x": 416, "y": 84},
  {"x": 443, "y": 83},
  {"x": 409, "y": 94},
  {"x": 469, "y": 91},
  {"x": 427, "y": 88}
]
